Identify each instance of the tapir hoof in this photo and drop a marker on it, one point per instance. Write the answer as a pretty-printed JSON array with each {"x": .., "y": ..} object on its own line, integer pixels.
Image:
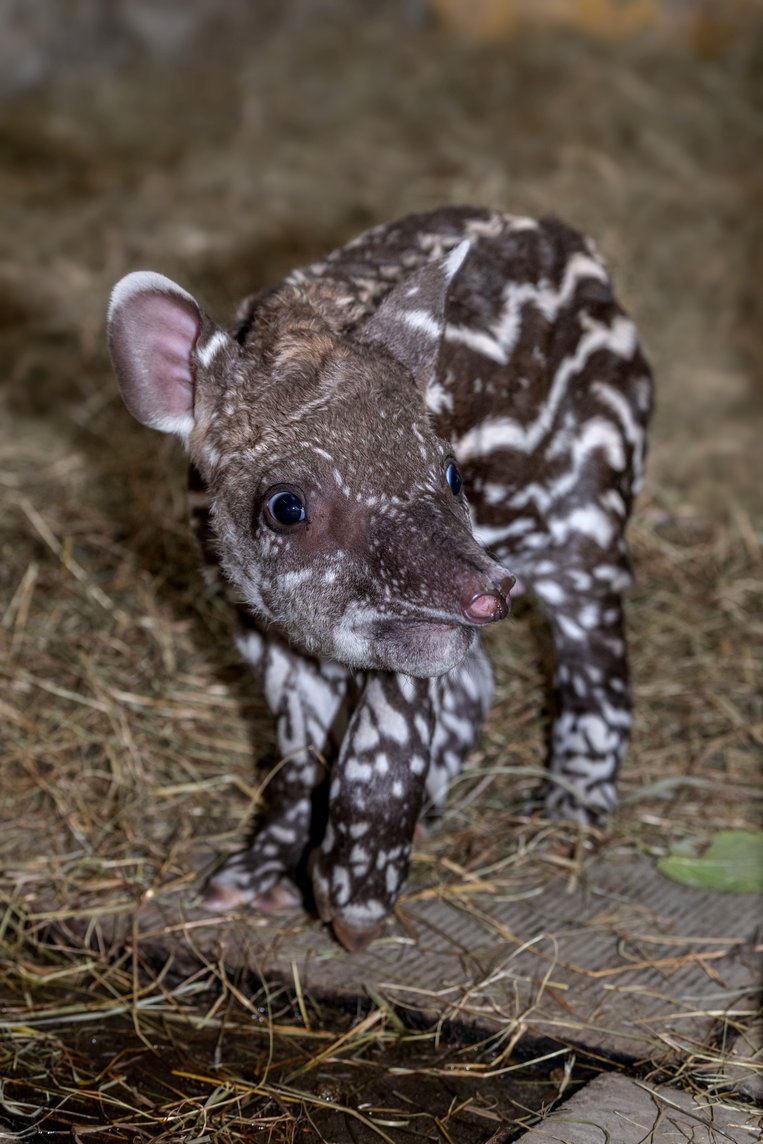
[
  {"x": 353, "y": 939},
  {"x": 223, "y": 894}
]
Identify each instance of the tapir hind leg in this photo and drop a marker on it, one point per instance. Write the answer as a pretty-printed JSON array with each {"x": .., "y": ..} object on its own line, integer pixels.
[{"x": 591, "y": 722}]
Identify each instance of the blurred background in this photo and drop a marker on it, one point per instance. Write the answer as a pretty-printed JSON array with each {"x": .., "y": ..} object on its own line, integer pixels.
[{"x": 222, "y": 142}]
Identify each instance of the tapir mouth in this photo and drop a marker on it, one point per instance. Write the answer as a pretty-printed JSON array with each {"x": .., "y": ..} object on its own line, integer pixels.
[
  {"x": 483, "y": 608},
  {"x": 394, "y": 622},
  {"x": 425, "y": 640},
  {"x": 420, "y": 646},
  {"x": 409, "y": 627}
]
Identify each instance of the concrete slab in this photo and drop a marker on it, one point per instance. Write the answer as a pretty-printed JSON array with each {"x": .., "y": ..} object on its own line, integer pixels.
[
  {"x": 614, "y": 1109},
  {"x": 626, "y": 965}
]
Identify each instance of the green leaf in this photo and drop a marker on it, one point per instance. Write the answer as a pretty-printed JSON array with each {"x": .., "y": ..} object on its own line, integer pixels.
[{"x": 732, "y": 862}]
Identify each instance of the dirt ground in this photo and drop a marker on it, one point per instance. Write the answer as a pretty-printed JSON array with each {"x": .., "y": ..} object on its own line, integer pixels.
[{"x": 128, "y": 726}]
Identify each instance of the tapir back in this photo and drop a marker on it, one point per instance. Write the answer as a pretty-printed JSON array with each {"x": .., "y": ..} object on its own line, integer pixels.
[{"x": 541, "y": 384}]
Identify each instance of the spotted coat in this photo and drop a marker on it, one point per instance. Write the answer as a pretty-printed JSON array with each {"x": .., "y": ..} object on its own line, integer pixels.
[{"x": 329, "y": 432}]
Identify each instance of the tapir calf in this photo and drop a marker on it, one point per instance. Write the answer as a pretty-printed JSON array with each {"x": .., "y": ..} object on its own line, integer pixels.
[{"x": 334, "y": 432}]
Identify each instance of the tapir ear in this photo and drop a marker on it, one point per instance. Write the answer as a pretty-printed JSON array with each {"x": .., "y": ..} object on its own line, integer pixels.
[
  {"x": 157, "y": 336},
  {"x": 410, "y": 322}
]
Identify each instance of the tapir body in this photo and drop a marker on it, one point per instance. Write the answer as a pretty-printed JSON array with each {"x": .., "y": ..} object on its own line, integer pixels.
[{"x": 334, "y": 433}]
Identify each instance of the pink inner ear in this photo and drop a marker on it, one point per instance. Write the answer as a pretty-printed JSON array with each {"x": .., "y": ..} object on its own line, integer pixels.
[
  {"x": 170, "y": 331},
  {"x": 153, "y": 327}
]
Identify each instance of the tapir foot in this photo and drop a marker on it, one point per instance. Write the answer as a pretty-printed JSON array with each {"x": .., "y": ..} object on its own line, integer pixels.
[
  {"x": 354, "y": 939},
  {"x": 233, "y": 887}
]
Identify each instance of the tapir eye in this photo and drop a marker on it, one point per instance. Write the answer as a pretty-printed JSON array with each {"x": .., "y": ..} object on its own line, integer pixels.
[
  {"x": 453, "y": 477},
  {"x": 285, "y": 508}
]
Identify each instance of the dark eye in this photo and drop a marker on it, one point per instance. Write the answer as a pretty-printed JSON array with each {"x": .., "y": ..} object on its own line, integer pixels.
[
  {"x": 285, "y": 508},
  {"x": 453, "y": 477}
]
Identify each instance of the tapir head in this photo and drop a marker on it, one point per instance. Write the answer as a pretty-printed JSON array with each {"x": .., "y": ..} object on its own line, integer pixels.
[{"x": 339, "y": 513}]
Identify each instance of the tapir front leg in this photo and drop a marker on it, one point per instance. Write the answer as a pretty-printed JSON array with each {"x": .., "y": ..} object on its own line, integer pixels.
[
  {"x": 460, "y": 701},
  {"x": 408, "y": 738},
  {"x": 377, "y": 790},
  {"x": 308, "y": 699}
]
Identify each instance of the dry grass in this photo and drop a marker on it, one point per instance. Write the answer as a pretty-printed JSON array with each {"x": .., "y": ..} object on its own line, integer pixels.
[{"x": 128, "y": 725}]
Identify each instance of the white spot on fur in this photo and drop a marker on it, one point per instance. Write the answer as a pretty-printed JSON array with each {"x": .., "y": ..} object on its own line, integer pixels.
[
  {"x": 591, "y": 521},
  {"x": 422, "y": 727},
  {"x": 599, "y": 433},
  {"x": 582, "y": 581},
  {"x": 612, "y": 500},
  {"x": 207, "y": 352},
  {"x": 282, "y": 833},
  {"x": 357, "y": 772},
  {"x": 522, "y": 222},
  {"x": 366, "y": 736},
  {"x": 570, "y": 629},
  {"x": 276, "y": 676},
  {"x": 495, "y": 494},
  {"x": 601, "y": 737},
  {"x": 548, "y": 591},
  {"x": 589, "y": 616},
  {"x": 299, "y": 809},
  {"x": 438, "y": 398},
  {"x": 340, "y": 880},
  {"x": 422, "y": 322},
  {"x": 362, "y": 915},
  {"x": 293, "y": 579},
  {"x": 611, "y": 574},
  {"x": 455, "y": 259},
  {"x": 251, "y": 645},
  {"x": 476, "y": 340},
  {"x": 488, "y": 536},
  {"x": 391, "y": 721}
]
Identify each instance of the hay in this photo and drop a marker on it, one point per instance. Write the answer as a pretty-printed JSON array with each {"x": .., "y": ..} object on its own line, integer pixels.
[{"x": 129, "y": 725}]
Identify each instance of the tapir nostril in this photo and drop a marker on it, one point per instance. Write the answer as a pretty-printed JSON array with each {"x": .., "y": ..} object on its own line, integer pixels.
[
  {"x": 486, "y": 607},
  {"x": 506, "y": 585}
]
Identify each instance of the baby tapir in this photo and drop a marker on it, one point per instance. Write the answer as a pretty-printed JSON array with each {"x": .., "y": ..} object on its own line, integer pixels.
[{"x": 334, "y": 433}]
